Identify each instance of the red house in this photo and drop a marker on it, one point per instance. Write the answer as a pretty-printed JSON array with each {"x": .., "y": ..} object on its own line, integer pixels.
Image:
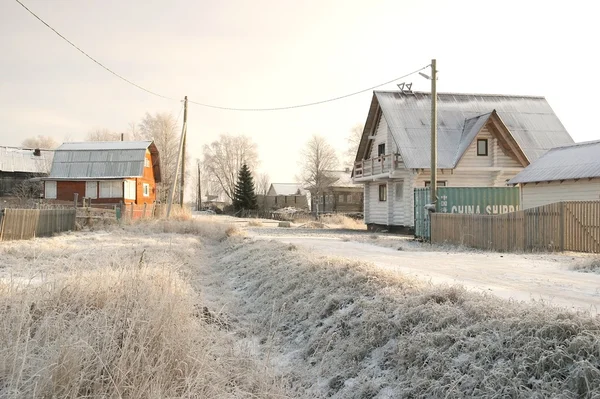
[{"x": 104, "y": 172}]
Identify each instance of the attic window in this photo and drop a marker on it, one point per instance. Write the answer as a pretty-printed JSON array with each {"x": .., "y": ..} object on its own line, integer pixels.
[
  {"x": 381, "y": 149},
  {"x": 482, "y": 147}
]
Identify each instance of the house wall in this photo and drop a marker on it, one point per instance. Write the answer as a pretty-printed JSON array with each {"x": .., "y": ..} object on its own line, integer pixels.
[
  {"x": 9, "y": 181},
  {"x": 544, "y": 193},
  {"x": 376, "y": 212},
  {"x": 269, "y": 202},
  {"x": 496, "y": 156},
  {"x": 147, "y": 178},
  {"x": 381, "y": 137}
]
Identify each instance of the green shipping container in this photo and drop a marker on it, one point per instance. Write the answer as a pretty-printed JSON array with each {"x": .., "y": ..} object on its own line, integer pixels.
[{"x": 471, "y": 200}]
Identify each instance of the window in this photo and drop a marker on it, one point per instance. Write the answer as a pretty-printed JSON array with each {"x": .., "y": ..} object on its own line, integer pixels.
[
  {"x": 50, "y": 189},
  {"x": 349, "y": 198},
  {"x": 146, "y": 190},
  {"x": 146, "y": 163},
  {"x": 482, "y": 147},
  {"x": 399, "y": 191},
  {"x": 383, "y": 192},
  {"x": 341, "y": 198},
  {"x": 111, "y": 189},
  {"x": 381, "y": 149},
  {"x": 91, "y": 189},
  {"x": 439, "y": 183},
  {"x": 130, "y": 189}
]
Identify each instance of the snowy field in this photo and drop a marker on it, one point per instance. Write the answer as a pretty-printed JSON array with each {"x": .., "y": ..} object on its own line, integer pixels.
[{"x": 203, "y": 309}]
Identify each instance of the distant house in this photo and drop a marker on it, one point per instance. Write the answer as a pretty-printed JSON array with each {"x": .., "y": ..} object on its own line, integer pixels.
[
  {"x": 283, "y": 195},
  {"x": 569, "y": 173},
  {"x": 18, "y": 165},
  {"x": 340, "y": 195},
  {"x": 483, "y": 141},
  {"x": 104, "y": 172}
]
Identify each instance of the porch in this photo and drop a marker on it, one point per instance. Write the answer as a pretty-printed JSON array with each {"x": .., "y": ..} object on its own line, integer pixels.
[{"x": 367, "y": 168}]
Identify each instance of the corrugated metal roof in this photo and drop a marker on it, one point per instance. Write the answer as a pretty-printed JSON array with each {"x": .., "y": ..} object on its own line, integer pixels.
[
  {"x": 14, "y": 159},
  {"x": 286, "y": 189},
  {"x": 100, "y": 160},
  {"x": 530, "y": 120},
  {"x": 577, "y": 161}
]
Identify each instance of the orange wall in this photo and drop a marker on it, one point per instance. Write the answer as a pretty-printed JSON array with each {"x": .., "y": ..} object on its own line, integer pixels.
[
  {"x": 148, "y": 178},
  {"x": 65, "y": 190}
]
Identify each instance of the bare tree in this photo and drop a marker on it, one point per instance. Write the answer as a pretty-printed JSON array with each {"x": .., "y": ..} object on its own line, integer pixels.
[
  {"x": 224, "y": 158},
  {"x": 163, "y": 130},
  {"x": 318, "y": 158},
  {"x": 353, "y": 143},
  {"x": 263, "y": 182},
  {"x": 102, "y": 135},
  {"x": 42, "y": 142}
]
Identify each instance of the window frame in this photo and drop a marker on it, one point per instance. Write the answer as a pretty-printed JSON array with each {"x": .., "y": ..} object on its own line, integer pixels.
[
  {"x": 380, "y": 150},
  {"x": 479, "y": 154},
  {"x": 383, "y": 192},
  {"x": 53, "y": 186},
  {"x": 440, "y": 183},
  {"x": 145, "y": 189}
]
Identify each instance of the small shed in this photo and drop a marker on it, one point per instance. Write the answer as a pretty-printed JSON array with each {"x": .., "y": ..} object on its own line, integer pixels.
[
  {"x": 109, "y": 172},
  {"x": 18, "y": 165},
  {"x": 569, "y": 173}
]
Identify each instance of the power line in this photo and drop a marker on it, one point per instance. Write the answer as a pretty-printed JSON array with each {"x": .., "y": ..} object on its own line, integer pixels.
[
  {"x": 92, "y": 58},
  {"x": 312, "y": 103},
  {"x": 210, "y": 105}
]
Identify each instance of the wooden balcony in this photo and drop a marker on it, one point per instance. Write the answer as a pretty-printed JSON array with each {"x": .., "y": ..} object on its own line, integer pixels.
[{"x": 376, "y": 166}]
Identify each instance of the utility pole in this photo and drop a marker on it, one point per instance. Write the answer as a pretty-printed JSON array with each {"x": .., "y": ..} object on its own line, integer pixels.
[
  {"x": 181, "y": 146},
  {"x": 182, "y": 181},
  {"x": 433, "y": 184}
]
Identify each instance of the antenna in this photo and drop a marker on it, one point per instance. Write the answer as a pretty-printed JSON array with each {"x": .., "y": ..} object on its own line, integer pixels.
[{"x": 405, "y": 88}]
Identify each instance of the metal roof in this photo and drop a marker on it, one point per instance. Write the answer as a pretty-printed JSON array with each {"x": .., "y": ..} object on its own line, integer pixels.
[
  {"x": 577, "y": 161},
  {"x": 286, "y": 189},
  {"x": 102, "y": 160},
  {"x": 529, "y": 119},
  {"x": 14, "y": 159}
]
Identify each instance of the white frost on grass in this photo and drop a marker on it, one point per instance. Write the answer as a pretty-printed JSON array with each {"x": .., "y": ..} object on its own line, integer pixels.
[{"x": 345, "y": 329}]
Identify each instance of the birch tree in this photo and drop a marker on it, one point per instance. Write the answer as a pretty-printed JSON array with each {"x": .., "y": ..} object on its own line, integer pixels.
[{"x": 318, "y": 159}]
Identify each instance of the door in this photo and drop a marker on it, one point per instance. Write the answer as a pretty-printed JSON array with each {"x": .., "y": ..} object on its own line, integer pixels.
[
  {"x": 50, "y": 189},
  {"x": 91, "y": 189}
]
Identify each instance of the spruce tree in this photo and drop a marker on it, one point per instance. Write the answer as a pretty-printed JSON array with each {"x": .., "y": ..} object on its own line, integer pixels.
[{"x": 244, "y": 197}]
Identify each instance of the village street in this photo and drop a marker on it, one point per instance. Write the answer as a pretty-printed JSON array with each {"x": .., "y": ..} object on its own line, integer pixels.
[{"x": 545, "y": 277}]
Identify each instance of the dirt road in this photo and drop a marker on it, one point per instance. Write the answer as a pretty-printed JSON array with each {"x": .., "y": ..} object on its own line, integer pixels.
[{"x": 512, "y": 276}]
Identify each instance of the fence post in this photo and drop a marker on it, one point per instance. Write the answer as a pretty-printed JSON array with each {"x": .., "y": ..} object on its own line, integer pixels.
[
  {"x": 562, "y": 226},
  {"x": 76, "y": 197},
  {"x": 144, "y": 215},
  {"x": 131, "y": 213}
]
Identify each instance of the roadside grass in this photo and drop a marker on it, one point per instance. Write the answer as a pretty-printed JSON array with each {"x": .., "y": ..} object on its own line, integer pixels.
[
  {"x": 347, "y": 330},
  {"x": 113, "y": 315},
  {"x": 590, "y": 265}
]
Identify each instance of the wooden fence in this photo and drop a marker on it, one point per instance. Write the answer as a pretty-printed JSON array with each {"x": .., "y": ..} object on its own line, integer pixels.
[
  {"x": 563, "y": 226},
  {"x": 23, "y": 224}
]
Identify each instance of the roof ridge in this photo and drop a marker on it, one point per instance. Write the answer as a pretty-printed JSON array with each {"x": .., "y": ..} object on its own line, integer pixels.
[
  {"x": 580, "y": 144},
  {"x": 463, "y": 94}
]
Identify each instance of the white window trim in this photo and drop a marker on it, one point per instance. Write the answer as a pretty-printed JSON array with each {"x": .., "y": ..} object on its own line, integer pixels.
[
  {"x": 114, "y": 190},
  {"x": 91, "y": 193},
  {"x": 53, "y": 186},
  {"x": 146, "y": 190}
]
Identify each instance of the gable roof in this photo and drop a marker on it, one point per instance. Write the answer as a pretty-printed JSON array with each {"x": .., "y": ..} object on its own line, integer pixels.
[
  {"x": 530, "y": 120},
  {"x": 286, "y": 189},
  {"x": 577, "y": 161},
  {"x": 103, "y": 160},
  {"x": 14, "y": 159}
]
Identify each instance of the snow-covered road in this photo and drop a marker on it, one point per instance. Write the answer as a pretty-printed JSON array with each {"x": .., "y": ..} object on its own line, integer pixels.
[{"x": 518, "y": 276}]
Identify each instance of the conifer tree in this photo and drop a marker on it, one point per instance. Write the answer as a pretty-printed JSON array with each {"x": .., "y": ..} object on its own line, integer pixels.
[{"x": 244, "y": 197}]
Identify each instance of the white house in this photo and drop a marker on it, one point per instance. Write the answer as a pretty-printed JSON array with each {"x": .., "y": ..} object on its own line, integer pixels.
[
  {"x": 483, "y": 141},
  {"x": 570, "y": 173}
]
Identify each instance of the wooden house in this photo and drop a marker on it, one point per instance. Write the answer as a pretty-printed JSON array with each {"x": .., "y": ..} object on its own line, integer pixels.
[
  {"x": 569, "y": 173},
  {"x": 483, "y": 141},
  {"x": 20, "y": 165},
  {"x": 283, "y": 195},
  {"x": 340, "y": 195},
  {"x": 109, "y": 172}
]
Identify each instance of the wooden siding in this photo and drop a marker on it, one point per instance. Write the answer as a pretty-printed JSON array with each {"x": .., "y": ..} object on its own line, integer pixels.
[
  {"x": 147, "y": 178},
  {"x": 496, "y": 155},
  {"x": 23, "y": 224},
  {"x": 563, "y": 226},
  {"x": 381, "y": 137},
  {"x": 378, "y": 210},
  {"x": 533, "y": 194}
]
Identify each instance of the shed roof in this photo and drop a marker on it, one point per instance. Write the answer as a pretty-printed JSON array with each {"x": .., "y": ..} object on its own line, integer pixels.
[
  {"x": 13, "y": 159},
  {"x": 286, "y": 189},
  {"x": 529, "y": 119},
  {"x": 103, "y": 160},
  {"x": 577, "y": 161}
]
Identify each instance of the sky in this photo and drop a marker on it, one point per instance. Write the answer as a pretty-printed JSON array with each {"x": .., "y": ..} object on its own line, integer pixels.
[{"x": 275, "y": 53}]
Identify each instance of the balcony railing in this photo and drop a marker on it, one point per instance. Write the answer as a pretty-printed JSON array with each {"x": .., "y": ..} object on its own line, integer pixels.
[{"x": 376, "y": 166}]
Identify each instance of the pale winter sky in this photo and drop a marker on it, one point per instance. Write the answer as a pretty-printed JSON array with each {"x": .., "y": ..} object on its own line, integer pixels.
[{"x": 272, "y": 53}]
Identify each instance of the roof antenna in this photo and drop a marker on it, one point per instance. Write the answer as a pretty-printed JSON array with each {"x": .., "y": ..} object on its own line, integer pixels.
[{"x": 405, "y": 88}]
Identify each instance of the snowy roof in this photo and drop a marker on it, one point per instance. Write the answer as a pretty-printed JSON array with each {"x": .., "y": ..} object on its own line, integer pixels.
[
  {"x": 530, "y": 120},
  {"x": 24, "y": 160},
  {"x": 577, "y": 161},
  {"x": 344, "y": 179},
  {"x": 286, "y": 189},
  {"x": 103, "y": 160}
]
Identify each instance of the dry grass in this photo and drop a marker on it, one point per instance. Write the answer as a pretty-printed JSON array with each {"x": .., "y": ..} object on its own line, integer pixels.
[
  {"x": 114, "y": 316},
  {"x": 590, "y": 265},
  {"x": 344, "y": 221},
  {"x": 347, "y": 330},
  {"x": 255, "y": 223}
]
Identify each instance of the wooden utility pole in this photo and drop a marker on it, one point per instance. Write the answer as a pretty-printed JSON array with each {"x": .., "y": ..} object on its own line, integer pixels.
[
  {"x": 181, "y": 147},
  {"x": 433, "y": 184},
  {"x": 199, "y": 194},
  {"x": 182, "y": 181}
]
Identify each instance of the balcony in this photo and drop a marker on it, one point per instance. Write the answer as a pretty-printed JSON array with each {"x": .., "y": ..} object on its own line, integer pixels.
[{"x": 376, "y": 166}]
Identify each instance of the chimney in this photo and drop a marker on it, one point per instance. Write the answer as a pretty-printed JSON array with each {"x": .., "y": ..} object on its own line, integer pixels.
[{"x": 37, "y": 152}]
